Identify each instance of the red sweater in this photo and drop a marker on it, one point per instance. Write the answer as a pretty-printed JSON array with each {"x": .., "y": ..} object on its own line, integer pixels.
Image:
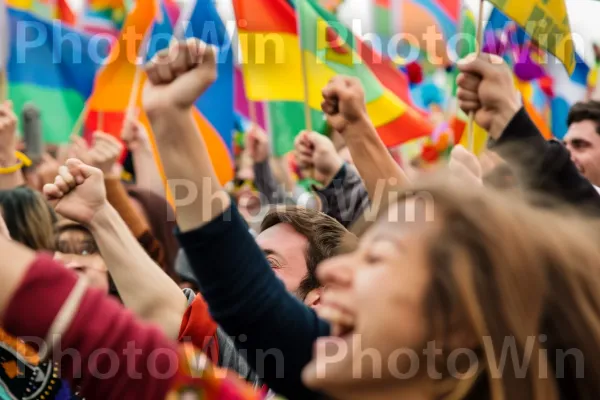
[{"x": 146, "y": 371}]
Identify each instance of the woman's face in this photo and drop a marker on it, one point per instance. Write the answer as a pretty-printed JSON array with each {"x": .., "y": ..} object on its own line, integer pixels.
[
  {"x": 77, "y": 250},
  {"x": 373, "y": 299}
]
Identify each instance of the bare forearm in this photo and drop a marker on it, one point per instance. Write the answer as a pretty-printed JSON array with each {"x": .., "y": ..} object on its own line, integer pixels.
[
  {"x": 143, "y": 286},
  {"x": 373, "y": 161},
  {"x": 147, "y": 173},
  {"x": 186, "y": 163}
]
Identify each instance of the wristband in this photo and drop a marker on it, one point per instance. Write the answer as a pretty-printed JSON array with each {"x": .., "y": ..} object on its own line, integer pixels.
[{"x": 22, "y": 161}]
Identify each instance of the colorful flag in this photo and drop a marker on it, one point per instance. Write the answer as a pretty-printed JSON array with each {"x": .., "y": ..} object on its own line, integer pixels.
[
  {"x": 214, "y": 109},
  {"x": 114, "y": 83},
  {"x": 67, "y": 78},
  {"x": 103, "y": 16},
  {"x": 217, "y": 103},
  {"x": 242, "y": 104},
  {"x": 329, "y": 49},
  {"x": 547, "y": 22}
]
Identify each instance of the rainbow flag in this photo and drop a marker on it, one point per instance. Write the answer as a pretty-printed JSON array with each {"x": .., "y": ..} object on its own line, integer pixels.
[
  {"x": 60, "y": 92},
  {"x": 416, "y": 17},
  {"x": 114, "y": 83},
  {"x": 547, "y": 23},
  {"x": 214, "y": 109},
  {"x": 103, "y": 16},
  {"x": 277, "y": 75}
]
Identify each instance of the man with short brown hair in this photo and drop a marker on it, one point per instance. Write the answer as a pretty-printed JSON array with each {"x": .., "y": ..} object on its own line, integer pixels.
[{"x": 583, "y": 139}]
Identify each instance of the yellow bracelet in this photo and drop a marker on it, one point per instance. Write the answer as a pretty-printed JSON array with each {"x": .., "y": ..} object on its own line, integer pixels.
[{"x": 23, "y": 161}]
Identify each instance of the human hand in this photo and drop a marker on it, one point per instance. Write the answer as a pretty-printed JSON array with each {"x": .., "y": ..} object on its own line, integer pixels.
[
  {"x": 177, "y": 76},
  {"x": 8, "y": 134},
  {"x": 314, "y": 150},
  {"x": 78, "y": 191},
  {"x": 465, "y": 165},
  {"x": 486, "y": 87},
  {"x": 135, "y": 135},
  {"x": 257, "y": 144},
  {"x": 105, "y": 152},
  {"x": 344, "y": 103}
]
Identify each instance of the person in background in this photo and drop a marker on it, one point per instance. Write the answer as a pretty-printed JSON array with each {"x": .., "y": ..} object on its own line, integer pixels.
[
  {"x": 583, "y": 139},
  {"x": 30, "y": 220}
]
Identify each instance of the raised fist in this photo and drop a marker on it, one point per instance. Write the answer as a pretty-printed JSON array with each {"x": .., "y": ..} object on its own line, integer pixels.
[
  {"x": 78, "y": 191},
  {"x": 105, "y": 152},
  {"x": 344, "y": 103},
  {"x": 134, "y": 135},
  {"x": 257, "y": 144},
  {"x": 317, "y": 151},
  {"x": 486, "y": 87},
  {"x": 177, "y": 76}
]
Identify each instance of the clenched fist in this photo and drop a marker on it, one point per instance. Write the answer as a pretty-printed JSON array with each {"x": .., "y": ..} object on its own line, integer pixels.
[
  {"x": 314, "y": 150},
  {"x": 257, "y": 144},
  {"x": 177, "y": 76},
  {"x": 79, "y": 191},
  {"x": 486, "y": 88},
  {"x": 134, "y": 135},
  {"x": 344, "y": 103}
]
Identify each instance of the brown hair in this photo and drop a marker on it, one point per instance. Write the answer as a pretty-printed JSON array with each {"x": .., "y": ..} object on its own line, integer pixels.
[
  {"x": 326, "y": 238},
  {"x": 504, "y": 270},
  {"x": 584, "y": 111},
  {"x": 29, "y": 219}
]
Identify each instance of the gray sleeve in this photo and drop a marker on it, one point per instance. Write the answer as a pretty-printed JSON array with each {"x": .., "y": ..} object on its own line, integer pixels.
[
  {"x": 230, "y": 358},
  {"x": 346, "y": 197},
  {"x": 267, "y": 184}
]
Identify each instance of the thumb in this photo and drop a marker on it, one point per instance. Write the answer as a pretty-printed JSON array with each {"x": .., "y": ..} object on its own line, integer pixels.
[{"x": 482, "y": 65}]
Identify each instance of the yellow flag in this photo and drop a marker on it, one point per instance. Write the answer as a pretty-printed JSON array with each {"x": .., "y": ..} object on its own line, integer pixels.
[{"x": 547, "y": 22}]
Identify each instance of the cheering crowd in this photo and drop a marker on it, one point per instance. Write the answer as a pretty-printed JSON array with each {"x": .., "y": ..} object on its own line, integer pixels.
[{"x": 479, "y": 279}]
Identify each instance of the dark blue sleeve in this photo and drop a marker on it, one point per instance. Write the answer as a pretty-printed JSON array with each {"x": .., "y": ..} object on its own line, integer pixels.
[{"x": 270, "y": 327}]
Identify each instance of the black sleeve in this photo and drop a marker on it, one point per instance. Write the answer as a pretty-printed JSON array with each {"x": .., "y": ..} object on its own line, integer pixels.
[
  {"x": 546, "y": 166},
  {"x": 270, "y": 327}
]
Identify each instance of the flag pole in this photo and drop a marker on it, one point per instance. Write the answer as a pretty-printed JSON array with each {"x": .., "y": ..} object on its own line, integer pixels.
[
  {"x": 307, "y": 114},
  {"x": 478, "y": 52},
  {"x": 100, "y": 121}
]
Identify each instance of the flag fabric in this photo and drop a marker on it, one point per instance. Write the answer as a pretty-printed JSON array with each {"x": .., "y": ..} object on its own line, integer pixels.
[
  {"x": 114, "y": 83},
  {"x": 69, "y": 68},
  {"x": 285, "y": 120},
  {"x": 213, "y": 113},
  {"x": 64, "y": 13},
  {"x": 45, "y": 9},
  {"x": 279, "y": 77},
  {"x": 567, "y": 88},
  {"x": 105, "y": 17},
  {"x": 241, "y": 102},
  {"x": 217, "y": 103},
  {"x": 547, "y": 23}
]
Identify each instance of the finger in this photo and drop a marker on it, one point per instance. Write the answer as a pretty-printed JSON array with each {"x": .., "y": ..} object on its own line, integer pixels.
[
  {"x": 69, "y": 179},
  {"x": 79, "y": 141},
  {"x": 483, "y": 65},
  {"x": 466, "y": 158},
  {"x": 151, "y": 71},
  {"x": 60, "y": 183},
  {"x": 163, "y": 68},
  {"x": 180, "y": 58},
  {"x": 468, "y": 81},
  {"x": 466, "y": 95},
  {"x": 469, "y": 106},
  {"x": 303, "y": 160},
  {"x": 85, "y": 170},
  {"x": 52, "y": 192}
]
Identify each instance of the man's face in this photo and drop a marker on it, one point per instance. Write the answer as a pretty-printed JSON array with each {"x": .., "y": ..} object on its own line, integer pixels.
[
  {"x": 583, "y": 141},
  {"x": 285, "y": 250}
]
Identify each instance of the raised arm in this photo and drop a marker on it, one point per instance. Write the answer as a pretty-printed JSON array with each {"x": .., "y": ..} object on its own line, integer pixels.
[
  {"x": 143, "y": 286},
  {"x": 346, "y": 112},
  {"x": 244, "y": 295}
]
